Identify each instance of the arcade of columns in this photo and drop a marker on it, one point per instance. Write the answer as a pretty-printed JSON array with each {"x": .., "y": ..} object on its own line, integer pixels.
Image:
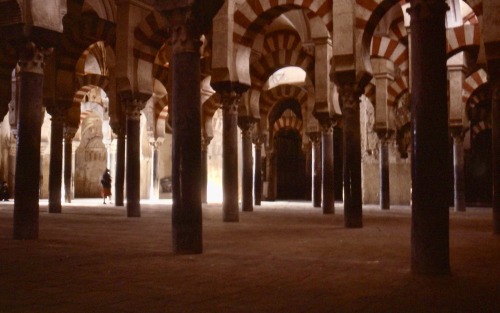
[{"x": 163, "y": 56}]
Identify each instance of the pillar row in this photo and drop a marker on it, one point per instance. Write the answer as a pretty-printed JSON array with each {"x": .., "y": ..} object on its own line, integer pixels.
[
  {"x": 257, "y": 140},
  {"x": 247, "y": 126},
  {"x": 328, "y": 190},
  {"x": 133, "y": 164},
  {"x": 56, "y": 158},
  {"x": 316, "y": 168}
]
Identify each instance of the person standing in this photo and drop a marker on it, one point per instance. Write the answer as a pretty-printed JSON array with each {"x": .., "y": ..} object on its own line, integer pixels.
[
  {"x": 4, "y": 192},
  {"x": 106, "y": 186}
]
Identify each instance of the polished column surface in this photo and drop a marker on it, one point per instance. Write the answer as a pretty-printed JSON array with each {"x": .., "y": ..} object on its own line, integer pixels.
[
  {"x": 120, "y": 168},
  {"x": 430, "y": 212},
  {"x": 458, "y": 171},
  {"x": 186, "y": 137},
  {"x": 353, "y": 211},
  {"x": 133, "y": 164},
  {"x": 205, "y": 141},
  {"x": 56, "y": 160},
  {"x": 385, "y": 199},
  {"x": 247, "y": 127},
  {"x": 26, "y": 193},
  {"x": 230, "y": 101},
  {"x": 258, "y": 172},
  {"x": 69, "y": 133},
  {"x": 328, "y": 169},
  {"x": 316, "y": 169}
]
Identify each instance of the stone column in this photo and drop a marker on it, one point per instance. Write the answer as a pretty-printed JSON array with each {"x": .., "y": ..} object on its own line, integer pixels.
[
  {"x": 272, "y": 175},
  {"x": 205, "y": 141},
  {"x": 385, "y": 197},
  {"x": 247, "y": 126},
  {"x": 133, "y": 164},
  {"x": 458, "y": 170},
  {"x": 327, "y": 166},
  {"x": 349, "y": 93},
  {"x": 495, "y": 130},
  {"x": 120, "y": 167},
  {"x": 186, "y": 134},
  {"x": 69, "y": 133},
  {"x": 316, "y": 168},
  {"x": 430, "y": 212},
  {"x": 230, "y": 101},
  {"x": 56, "y": 158},
  {"x": 26, "y": 192},
  {"x": 258, "y": 170},
  {"x": 155, "y": 179}
]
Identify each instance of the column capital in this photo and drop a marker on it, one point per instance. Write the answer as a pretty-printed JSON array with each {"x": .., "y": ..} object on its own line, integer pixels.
[
  {"x": 230, "y": 100},
  {"x": 349, "y": 93},
  {"x": 69, "y": 133},
  {"x": 32, "y": 58},
  {"x": 384, "y": 134},
  {"x": 205, "y": 142},
  {"x": 247, "y": 125},
  {"x": 57, "y": 114},
  {"x": 133, "y": 109},
  {"x": 185, "y": 31},
  {"x": 427, "y": 9},
  {"x": 314, "y": 137}
]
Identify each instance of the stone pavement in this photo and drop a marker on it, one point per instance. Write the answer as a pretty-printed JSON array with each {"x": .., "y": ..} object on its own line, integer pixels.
[{"x": 283, "y": 257}]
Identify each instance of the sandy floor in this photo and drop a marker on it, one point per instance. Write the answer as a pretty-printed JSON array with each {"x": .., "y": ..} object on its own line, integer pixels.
[{"x": 284, "y": 257}]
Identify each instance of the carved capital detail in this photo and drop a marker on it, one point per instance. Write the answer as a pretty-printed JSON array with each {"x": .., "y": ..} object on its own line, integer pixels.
[
  {"x": 349, "y": 94},
  {"x": 230, "y": 102},
  {"x": 58, "y": 114},
  {"x": 32, "y": 58},
  {"x": 247, "y": 128},
  {"x": 69, "y": 133},
  {"x": 134, "y": 108},
  {"x": 185, "y": 33},
  {"x": 314, "y": 137}
]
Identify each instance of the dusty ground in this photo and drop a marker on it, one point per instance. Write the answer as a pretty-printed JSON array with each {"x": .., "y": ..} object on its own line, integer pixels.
[{"x": 284, "y": 257}]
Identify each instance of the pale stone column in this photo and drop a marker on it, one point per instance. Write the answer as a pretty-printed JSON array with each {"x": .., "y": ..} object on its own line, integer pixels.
[
  {"x": 56, "y": 158},
  {"x": 430, "y": 212},
  {"x": 230, "y": 101},
  {"x": 349, "y": 93},
  {"x": 155, "y": 179},
  {"x": 26, "y": 192},
  {"x": 458, "y": 169},
  {"x": 316, "y": 168},
  {"x": 133, "y": 164},
  {"x": 247, "y": 127}
]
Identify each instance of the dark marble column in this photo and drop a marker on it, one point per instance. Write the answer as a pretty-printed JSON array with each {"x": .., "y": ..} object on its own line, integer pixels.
[
  {"x": 56, "y": 158},
  {"x": 26, "y": 192},
  {"x": 272, "y": 175},
  {"x": 69, "y": 133},
  {"x": 458, "y": 170},
  {"x": 230, "y": 101},
  {"x": 186, "y": 136},
  {"x": 430, "y": 212},
  {"x": 328, "y": 172},
  {"x": 133, "y": 164},
  {"x": 120, "y": 167},
  {"x": 205, "y": 141},
  {"x": 247, "y": 127},
  {"x": 495, "y": 131},
  {"x": 316, "y": 168},
  {"x": 349, "y": 93},
  {"x": 385, "y": 198},
  {"x": 258, "y": 170}
]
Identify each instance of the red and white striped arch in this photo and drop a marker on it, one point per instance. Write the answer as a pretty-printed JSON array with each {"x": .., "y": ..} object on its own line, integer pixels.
[
  {"x": 149, "y": 37},
  {"x": 396, "y": 89},
  {"x": 264, "y": 67},
  {"x": 472, "y": 82},
  {"x": 272, "y": 96},
  {"x": 288, "y": 121},
  {"x": 462, "y": 37},
  {"x": 252, "y": 15},
  {"x": 479, "y": 127},
  {"x": 392, "y": 50},
  {"x": 397, "y": 31},
  {"x": 282, "y": 40}
]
